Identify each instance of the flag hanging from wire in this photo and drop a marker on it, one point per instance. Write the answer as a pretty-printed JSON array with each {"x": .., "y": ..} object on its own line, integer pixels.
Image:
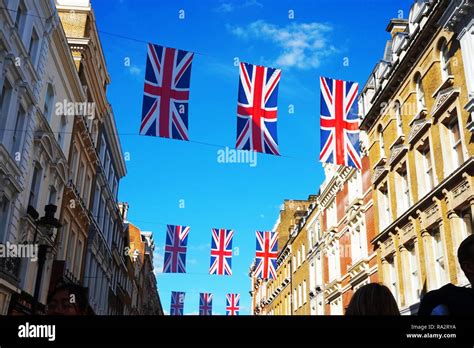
[
  {"x": 232, "y": 306},
  {"x": 221, "y": 251},
  {"x": 166, "y": 96},
  {"x": 175, "y": 249},
  {"x": 339, "y": 123},
  {"x": 177, "y": 303},
  {"x": 257, "y": 109},
  {"x": 205, "y": 303},
  {"x": 266, "y": 255}
]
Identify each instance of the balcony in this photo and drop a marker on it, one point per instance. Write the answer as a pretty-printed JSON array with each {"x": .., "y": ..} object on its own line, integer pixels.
[{"x": 10, "y": 269}]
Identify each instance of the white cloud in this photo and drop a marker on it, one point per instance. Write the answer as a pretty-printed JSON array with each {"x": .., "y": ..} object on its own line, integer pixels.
[
  {"x": 135, "y": 70},
  {"x": 157, "y": 261},
  {"x": 227, "y": 7},
  {"x": 303, "y": 45}
]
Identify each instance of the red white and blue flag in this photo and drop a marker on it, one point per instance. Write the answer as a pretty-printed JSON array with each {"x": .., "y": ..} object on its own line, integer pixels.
[
  {"x": 232, "y": 304},
  {"x": 257, "y": 109},
  {"x": 166, "y": 96},
  {"x": 339, "y": 123},
  {"x": 177, "y": 303},
  {"x": 266, "y": 255},
  {"x": 175, "y": 249},
  {"x": 205, "y": 303},
  {"x": 221, "y": 251}
]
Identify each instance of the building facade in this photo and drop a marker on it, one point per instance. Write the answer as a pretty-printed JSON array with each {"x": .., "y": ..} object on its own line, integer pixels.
[
  {"x": 416, "y": 111},
  {"x": 37, "y": 70},
  {"x": 100, "y": 183}
]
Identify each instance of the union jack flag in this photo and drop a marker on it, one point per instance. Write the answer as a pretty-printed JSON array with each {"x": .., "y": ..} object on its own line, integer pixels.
[
  {"x": 166, "y": 96},
  {"x": 232, "y": 305},
  {"x": 257, "y": 109},
  {"x": 175, "y": 249},
  {"x": 205, "y": 304},
  {"x": 339, "y": 123},
  {"x": 177, "y": 303},
  {"x": 266, "y": 255},
  {"x": 221, "y": 252}
]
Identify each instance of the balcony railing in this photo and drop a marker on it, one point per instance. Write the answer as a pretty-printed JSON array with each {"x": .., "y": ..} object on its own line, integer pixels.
[{"x": 10, "y": 269}]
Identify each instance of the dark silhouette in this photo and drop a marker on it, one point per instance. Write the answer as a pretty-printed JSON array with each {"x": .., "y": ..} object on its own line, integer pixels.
[
  {"x": 67, "y": 299},
  {"x": 451, "y": 299},
  {"x": 373, "y": 299}
]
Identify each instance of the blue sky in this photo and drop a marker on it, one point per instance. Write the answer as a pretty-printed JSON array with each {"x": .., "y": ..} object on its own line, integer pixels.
[{"x": 163, "y": 173}]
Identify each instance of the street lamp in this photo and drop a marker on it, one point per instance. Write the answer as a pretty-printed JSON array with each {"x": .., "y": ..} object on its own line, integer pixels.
[{"x": 48, "y": 223}]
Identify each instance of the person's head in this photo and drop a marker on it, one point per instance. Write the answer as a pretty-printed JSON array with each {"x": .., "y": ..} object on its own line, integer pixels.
[
  {"x": 373, "y": 299},
  {"x": 67, "y": 299},
  {"x": 466, "y": 257}
]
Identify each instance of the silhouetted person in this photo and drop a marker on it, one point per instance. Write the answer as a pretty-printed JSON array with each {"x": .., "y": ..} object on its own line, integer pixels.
[
  {"x": 67, "y": 299},
  {"x": 451, "y": 299},
  {"x": 373, "y": 299}
]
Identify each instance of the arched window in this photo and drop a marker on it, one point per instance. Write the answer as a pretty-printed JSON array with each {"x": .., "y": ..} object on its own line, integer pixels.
[
  {"x": 444, "y": 61},
  {"x": 420, "y": 93},
  {"x": 398, "y": 118}
]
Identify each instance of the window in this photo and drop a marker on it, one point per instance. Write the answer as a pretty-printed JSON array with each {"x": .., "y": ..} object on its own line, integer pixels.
[
  {"x": 299, "y": 258},
  {"x": 303, "y": 253},
  {"x": 62, "y": 239},
  {"x": 354, "y": 186},
  {"x": 295, "y": 299},
  {"x": 420, "y": 94},
  {"x": 102, "y": 149},
  {"x": 5, "y": 99},
  {"x": 52, "y": 195},
  {"x": 331, "y": 214},
  {"x": 96, "y": 202},
  {"x": 455, "y": 144},
  {"x": 17, "y": 136},
  {"x": 34, "y": 47},
  {"x": 35, "y": 186},
  {"x": 87, "y": 189},
  {"x": 381, "y": 143},
  {"x": 74, "y": 161},
  {"x": 80, "y": 177},
  {"x": 78, "y": 258},
  {"x": 49, "y": 102},
  {"x": 304, "y": 291},
  {"x": 358, "y": 249},
  {"x": 62, "y": 132},
  {"x": 392, "y": 278},
  {"x": 300, "y": 296},
  {"x": 404, "y": 200},
  {"x": 444, "y": 59},
  {"x": 4, "y": 217},
  {"x": 384, "y": 207},
  {"x": 70, "y": 250},
  {"x": 107, "y": 165},
  {"x": 414, "y": 293},
  {"x": 333, "y": 262},
  {"x": 398, "y": 118},
  {"x": 20, "y": 17},
  {"x": 438, "y": 253},
  {"x": 428, "y": 175}
]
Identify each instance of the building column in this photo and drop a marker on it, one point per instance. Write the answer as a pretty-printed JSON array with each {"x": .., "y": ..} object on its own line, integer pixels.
[
  {"x": 428, "y": 261},
  {"x": 404, "y": 284}
]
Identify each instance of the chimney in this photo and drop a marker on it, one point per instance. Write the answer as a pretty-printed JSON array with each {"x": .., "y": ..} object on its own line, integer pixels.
[
  {"x": 396, "y": 25},
  {"x": 123, "y": 208}
]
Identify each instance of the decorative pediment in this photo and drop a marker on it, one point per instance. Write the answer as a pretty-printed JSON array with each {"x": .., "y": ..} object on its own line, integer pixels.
[
  {"x": 418, "y": 128},
  {"x": 397, "y": 153},
  {"x": 400, "y": 41},
  {"x": 443, "y": 100},
  {"x": 379, "y": 173},
  {"x": 418, "y": 9}
]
